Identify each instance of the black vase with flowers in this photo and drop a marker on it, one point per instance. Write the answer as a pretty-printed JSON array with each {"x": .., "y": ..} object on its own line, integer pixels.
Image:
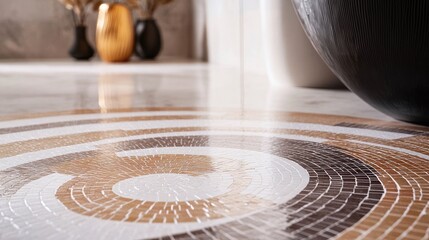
[
  {"x": 148, "y": 42},
  {"x": 80, "y": 49}
]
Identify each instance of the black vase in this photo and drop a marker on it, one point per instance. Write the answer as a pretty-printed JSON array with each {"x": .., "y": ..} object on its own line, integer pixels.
[
  {"x": 81, "y": 50},
  {"x": 378, "y": 48},
  {"x": 148, "y": 39}
]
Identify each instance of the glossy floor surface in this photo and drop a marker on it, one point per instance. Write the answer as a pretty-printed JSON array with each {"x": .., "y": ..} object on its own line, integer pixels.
[{"x": 187, "y": 151}]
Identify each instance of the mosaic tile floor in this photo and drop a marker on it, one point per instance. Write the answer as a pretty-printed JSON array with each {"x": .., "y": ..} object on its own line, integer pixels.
[{"x": 176, "y": 173}]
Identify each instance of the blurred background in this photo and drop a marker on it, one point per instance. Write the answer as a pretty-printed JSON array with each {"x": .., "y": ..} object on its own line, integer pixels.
[
  {"x": 204, "y": 30},
  {"x": 44, "y": 29},
  {"x": 204, "y": 43}
]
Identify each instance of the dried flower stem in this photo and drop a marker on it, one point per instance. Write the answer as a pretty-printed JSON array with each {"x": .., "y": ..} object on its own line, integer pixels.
[
  {"x": 79, "y": 9},
  {"x": 146, "y": 8}
]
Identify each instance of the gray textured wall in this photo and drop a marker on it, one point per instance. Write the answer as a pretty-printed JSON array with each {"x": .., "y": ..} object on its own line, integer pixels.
[{"x": 43, "y": 29}]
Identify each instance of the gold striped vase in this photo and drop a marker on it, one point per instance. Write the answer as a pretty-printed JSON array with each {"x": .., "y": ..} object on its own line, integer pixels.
[{"x": 115, "y": 33}]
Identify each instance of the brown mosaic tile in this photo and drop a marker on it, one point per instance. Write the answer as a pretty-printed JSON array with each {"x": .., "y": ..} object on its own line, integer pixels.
[{"x": 356, "y": 186}]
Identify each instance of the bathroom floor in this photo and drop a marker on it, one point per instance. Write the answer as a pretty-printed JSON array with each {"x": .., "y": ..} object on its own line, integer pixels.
[{"x": 181, "y": 150}]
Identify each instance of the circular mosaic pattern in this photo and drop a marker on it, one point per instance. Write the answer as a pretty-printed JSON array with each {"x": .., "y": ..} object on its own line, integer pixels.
[
  {"x": 197, "y": 174},
  {"x": 171, "y": 187}
]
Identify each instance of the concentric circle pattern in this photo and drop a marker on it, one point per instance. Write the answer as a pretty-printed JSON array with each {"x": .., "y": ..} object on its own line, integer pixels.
[{"x": 199, "y": 174}]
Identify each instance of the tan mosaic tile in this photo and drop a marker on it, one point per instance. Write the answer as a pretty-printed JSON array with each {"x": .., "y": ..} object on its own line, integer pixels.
[{"x": 232, "y": 175}]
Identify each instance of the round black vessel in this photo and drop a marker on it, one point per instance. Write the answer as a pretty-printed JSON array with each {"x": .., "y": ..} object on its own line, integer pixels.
[
  {"x": 148, "y": 39},
  {"x": 378, "y": 48}
]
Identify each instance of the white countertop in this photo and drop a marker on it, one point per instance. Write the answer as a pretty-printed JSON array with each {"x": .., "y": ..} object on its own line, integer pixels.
[{"x": 42, "y": 86}]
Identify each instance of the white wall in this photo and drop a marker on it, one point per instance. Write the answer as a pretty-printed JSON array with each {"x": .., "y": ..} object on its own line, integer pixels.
[
  {"x": 274, "y": 42},
  {"x": 223, "y": 29}
]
